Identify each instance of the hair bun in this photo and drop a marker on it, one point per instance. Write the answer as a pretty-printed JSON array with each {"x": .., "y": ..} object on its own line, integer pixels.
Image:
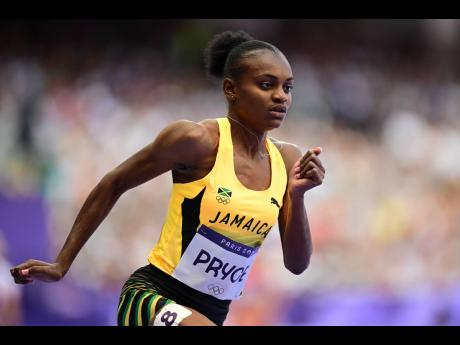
[{"x": 219, "y": 47}]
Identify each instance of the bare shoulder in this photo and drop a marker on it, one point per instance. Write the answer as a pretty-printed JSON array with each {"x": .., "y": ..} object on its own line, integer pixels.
[
  {"x": 208, "y": 132},
  {"x": 194, "y": 135},
  {"x": 198, "y": 147},
  {"x": 290, "y": 152},
  {"x": 184, "y": 143},
  {"x": 211, "y": 128},
  {"x": 190, "y": 130}
]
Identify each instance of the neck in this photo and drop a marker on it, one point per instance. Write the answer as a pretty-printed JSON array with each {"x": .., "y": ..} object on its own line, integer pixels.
[{"x": 252, "y": 140}]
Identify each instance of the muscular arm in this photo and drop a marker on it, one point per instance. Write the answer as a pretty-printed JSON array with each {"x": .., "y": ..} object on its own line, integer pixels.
[
  {"x": 293, "y": 221},
  {"x": 181, "y": 143}
]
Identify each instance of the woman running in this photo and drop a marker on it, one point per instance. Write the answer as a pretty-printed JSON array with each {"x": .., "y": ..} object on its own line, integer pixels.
[{"x": 231, "y": 183}]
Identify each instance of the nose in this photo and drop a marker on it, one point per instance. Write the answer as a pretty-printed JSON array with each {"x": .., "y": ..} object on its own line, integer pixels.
[{"x": 279, "y": 96}]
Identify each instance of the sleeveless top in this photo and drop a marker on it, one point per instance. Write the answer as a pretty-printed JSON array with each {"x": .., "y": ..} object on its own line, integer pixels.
[{"x": 215, "y": 225}]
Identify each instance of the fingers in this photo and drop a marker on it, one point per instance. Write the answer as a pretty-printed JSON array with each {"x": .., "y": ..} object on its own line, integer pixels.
[
  {"x": 318, "y": 150},
  {"x": 312, "y": 154},
  {"x": 311, "y": 171},
  {"x": 30, "y": 263},
  {"x": 302, "y": 172},
  {"x": 42, "y": 273},
  {"x": 23, "y": 273},
  {"x": 310, "y": 161},
  {"x": 315, "y": 175},
  {"x": 20, "y": 276},
  {"x": 314, "y": 159}
]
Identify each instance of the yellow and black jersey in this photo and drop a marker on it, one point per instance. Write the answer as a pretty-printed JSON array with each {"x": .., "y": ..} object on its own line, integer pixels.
[{"x": 215, "y": 225}]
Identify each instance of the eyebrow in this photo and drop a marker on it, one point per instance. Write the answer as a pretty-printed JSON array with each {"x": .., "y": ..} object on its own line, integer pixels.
[{"x": 273, "y": 77}]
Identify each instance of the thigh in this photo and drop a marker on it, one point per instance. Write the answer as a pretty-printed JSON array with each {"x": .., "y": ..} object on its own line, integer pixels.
[
  {"x": 146, "y": 307},
  {"x": 138, "y": 306}
]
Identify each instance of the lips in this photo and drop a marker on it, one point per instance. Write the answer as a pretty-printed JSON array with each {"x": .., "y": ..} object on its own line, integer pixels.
[
  {"x": 277, "y": 112},
  {"x": 278, "y": 109}
]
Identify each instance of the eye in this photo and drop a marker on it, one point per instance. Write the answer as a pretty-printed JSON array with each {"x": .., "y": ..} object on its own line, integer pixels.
[
  {"x": 288, "y": 88},
  {"x": 265, "y": 85}
]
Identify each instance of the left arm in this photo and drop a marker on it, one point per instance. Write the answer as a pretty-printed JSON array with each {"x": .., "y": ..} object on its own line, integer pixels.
[{"x": 304, "y": 173}]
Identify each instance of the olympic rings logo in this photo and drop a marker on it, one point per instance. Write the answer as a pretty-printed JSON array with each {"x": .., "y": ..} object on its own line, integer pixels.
[
  {"x": 222, "y": 200},
  {"x": 215, "y": 289}
]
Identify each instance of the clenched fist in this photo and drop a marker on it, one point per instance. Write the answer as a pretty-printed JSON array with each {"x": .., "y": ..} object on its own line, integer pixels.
[
  {"x": 307, "y": 173},
  {"x": 37, "y": 270}
]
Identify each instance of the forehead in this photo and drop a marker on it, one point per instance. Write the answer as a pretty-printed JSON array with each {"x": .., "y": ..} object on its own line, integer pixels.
[{"x": 267, "y": 62}]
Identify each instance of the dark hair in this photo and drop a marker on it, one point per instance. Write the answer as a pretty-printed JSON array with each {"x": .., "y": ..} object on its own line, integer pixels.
[{"x": 225, "y": 51}]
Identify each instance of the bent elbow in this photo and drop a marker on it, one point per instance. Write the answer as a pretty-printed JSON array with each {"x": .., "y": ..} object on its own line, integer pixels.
[{"x": 298, "y": 269}]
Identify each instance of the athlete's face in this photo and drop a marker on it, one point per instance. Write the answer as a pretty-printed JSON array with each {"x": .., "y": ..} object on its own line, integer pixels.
[{"x": 262, "y": 96}]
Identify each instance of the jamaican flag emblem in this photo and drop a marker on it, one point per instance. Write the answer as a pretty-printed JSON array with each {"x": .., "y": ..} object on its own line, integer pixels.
[{"x": 223, "y": 195}]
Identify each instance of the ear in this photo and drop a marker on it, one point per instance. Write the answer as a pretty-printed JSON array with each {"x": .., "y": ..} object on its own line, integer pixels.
[{"x": 229, "y": 88}]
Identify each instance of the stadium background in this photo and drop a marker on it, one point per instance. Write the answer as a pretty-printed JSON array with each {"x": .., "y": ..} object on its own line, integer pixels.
[{"x": 382, "y": 97}]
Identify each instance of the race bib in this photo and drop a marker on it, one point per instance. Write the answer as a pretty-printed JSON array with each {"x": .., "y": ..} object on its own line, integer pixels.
[{"x": 215, "y": 264}]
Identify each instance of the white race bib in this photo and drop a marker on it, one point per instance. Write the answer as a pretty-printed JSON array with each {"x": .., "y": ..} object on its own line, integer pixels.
[{"x": 215, "y": 264}]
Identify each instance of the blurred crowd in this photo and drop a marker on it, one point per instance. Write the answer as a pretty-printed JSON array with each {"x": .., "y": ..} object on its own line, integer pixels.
[{"x": 384, "y": 223}]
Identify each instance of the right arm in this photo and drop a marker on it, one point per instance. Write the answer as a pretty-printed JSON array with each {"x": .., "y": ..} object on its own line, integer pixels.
[{"x": 183, "y": 143}]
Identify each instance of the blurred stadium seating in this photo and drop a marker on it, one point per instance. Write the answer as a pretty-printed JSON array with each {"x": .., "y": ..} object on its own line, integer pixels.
[{"x": 382, "y": 97}]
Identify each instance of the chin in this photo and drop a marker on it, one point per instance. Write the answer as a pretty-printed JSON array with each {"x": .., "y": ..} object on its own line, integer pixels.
[
  {"x": 273, "y": 125},
  {"x": 276, "y": 121}
]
